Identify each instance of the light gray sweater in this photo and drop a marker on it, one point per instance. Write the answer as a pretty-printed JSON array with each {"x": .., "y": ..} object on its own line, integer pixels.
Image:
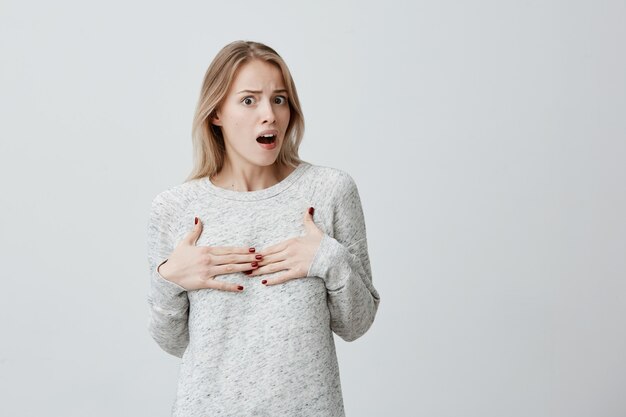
[{"x": 268, "y": 350}]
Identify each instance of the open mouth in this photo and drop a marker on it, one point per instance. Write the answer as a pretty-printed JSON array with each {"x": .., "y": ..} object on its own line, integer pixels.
[{"x": 266, "y": 139}]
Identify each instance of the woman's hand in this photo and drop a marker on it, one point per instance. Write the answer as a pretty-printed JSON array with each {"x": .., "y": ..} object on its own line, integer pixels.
[
  {"x": 195, "y": 267},
  {"x": 293, "y": 255}
]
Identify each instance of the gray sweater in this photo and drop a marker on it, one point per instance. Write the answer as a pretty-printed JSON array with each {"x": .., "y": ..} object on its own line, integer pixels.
[{"x": 268, "y": 350}]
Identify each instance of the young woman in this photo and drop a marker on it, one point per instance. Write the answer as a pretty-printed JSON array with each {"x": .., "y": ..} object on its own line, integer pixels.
[{"x": 258, "y": 257}]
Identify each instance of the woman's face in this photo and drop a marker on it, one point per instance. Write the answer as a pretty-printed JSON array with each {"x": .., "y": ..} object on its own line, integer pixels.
[{"x": 255, "y": 104}]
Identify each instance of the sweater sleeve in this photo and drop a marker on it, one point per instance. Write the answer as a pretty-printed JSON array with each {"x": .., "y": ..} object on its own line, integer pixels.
[
  {"x": 343, "y": 263},
  {"x": 168, "y": 301}
]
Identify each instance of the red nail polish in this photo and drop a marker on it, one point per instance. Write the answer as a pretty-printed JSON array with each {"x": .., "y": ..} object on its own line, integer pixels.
[
  {"x": 311, "y": 210},
  {"x": 196, "y": 221},
  {"x": 264, "y": 281},
  {"x": 251, "y": 250},
  {"x": 247, "y": 272},
  {"x": 259, "y": 256},
  {"x": 255, "y": 263},
  {"x": 240, "y": 288}
]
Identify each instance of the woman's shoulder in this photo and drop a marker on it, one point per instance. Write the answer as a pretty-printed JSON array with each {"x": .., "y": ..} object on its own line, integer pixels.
[
  {"x": 328, "y": 173},
  {"x": 332, "y": 177},
  {"x": 180, "y": 194}
]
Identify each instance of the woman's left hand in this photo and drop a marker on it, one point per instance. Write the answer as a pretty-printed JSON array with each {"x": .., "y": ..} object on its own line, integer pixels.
[{"x": 294, "y": 255}]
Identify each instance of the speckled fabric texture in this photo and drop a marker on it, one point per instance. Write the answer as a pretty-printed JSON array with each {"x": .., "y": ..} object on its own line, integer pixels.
[{"x": 265, "y": 351}]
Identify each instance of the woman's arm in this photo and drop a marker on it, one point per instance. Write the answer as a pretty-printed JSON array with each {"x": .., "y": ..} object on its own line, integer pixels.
[
  {"x": 343, "y": 263},
  {"x": 169, "y": 304}
]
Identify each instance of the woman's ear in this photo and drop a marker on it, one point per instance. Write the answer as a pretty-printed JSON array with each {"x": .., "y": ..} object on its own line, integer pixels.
[{"x": 215, "y": 119}]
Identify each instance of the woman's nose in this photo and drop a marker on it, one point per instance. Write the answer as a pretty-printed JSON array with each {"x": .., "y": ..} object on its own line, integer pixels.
[{"x": 268, "y": 112}]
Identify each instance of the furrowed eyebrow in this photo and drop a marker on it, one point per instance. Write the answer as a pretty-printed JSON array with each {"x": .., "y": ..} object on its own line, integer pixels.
[{"x": 259, "y": 92}]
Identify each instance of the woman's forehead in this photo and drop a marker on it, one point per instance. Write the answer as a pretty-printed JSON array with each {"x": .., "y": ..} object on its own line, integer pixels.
[{"x": 257, "y": 76}]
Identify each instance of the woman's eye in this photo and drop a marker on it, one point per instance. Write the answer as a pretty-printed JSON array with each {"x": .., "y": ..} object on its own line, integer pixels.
[
  {"x": 247, "y": 100},
  {"x": 282, "y": 99}
]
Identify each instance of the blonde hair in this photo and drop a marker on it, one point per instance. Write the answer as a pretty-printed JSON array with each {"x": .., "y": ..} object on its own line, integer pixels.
[{"x": 208, "y": 143}]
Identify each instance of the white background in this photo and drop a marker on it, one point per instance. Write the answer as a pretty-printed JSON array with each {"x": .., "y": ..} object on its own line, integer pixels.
[{"x": 488, "y": 142}]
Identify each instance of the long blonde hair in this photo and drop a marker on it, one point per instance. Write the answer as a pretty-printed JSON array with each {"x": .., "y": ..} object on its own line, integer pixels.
[{"x": 208, "y": 143}]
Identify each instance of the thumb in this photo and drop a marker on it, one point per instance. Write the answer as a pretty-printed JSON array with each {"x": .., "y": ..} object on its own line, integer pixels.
[
  {"x": 193, "y": 236},
  {"x": 308, "y": 219}
]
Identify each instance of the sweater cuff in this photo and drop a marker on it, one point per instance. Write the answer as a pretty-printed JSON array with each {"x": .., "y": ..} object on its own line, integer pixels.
[
  {"x": 165, "y": 292},
  {"x": 328, "y": 263}
]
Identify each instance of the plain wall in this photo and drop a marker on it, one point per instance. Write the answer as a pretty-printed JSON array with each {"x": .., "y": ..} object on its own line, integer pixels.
[{"x": 487, "y": 139}]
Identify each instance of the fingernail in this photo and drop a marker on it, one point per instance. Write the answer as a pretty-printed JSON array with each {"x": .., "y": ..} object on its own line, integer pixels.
[
  {"x": 255, "y": 263},
  {"x": 311, "y": 210},
  {"x": 240, "y": 288},
  {"x": 264, "y": 281},
  {"x": 196, "y": 221},
  {"x": 247, "y": 272},
  {"x": 251, "y": 250},
  {"x": 259, "y": 256}
]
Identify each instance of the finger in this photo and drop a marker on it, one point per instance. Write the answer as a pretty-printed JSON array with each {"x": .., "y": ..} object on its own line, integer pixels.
[
  {"x": 268, "y": 269},
  {"x": 235, "y": 259},
  {"x": 229, "y": 250},
  {"x": 275, "y": 248},
  {"x": 193, "y": 236},
  {"x": 232, "y": 268},
  {"x": 272, "y": 258},
  {"x": 284, "y": 277},
  {"x": 223, "y": 285}
]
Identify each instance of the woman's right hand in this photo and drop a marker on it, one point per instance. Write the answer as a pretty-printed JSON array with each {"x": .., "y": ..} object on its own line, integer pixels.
[{"x": 195, "y": 267}]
